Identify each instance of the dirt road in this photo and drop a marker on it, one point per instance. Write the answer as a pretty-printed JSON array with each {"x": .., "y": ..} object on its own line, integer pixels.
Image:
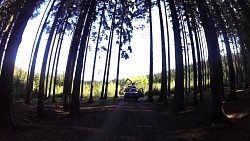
[
  {"x": 118, "y": 120},
  {"x": 129, "y": 121}
]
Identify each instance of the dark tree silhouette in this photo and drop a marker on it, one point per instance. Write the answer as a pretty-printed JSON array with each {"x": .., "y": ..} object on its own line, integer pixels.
[
  {"x": 72, "y": 55},
  {"x": 163, "y": 54},
  {"x": 217, "y": 114},
  {"x": 222, "y": 25},
  {"x": 150, "y": 94},
  {"x": 75, "y": 105},
  {"x": 6, "y": 78},
  {"x": 179, "y": 82},
  {"x": 40, "y": 103}
]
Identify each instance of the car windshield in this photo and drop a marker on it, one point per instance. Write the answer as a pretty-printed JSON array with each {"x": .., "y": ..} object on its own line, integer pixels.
[{"x": 130, "y": 90}]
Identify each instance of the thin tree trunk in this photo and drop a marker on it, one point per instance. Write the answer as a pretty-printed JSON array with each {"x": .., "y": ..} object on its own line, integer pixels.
[
  {"x": 184, "y": 39},
  {"x": 119, "y": 52},
  {"x": 197, "y": 51},
  {"x": 168, "y": 44},
  {"x": 57, "y": 57},
  {"x": 48, "y": 67},
  {"x": 193, "y": 54},
  {"x": 58, "y": 46},
  {"x": 110, "y": 44},
  {"x": 96, "y": 50},
  {"x": 163, "y": 93},
  {"x": 84, "y": 64},
  {"x": 151, "y": 65},
  {"x": 33, "y": 55},
  {"x": 40, "y": 103}
]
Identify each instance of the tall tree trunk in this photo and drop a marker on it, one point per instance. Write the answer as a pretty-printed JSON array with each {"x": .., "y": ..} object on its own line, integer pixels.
[
  {"x": 48, "y": 67},
  {"x": 96, "y": 50},
  {"x": 33, "y": 56},
  {"x": 246, "y": 10},
  {"x": 75, "y": 105},
  {"x": 193, "y": 53},
  {"x": 110, "y": 44},
  {"x": 119, "y": 52},
  {"x": 72, "y": 55},
  {"x": 40, "y": 103},
  {"x": 58, "y": 46},
  {"x": 179, "y": 82},
  {"x": 197, "y": 51},
  {"x": 164, "y": 63},
  {"x": 217, "y": 114},
  {"x": 58, "y": 55},
  {"x": 4, "y": 39},
  {"x": 232, "y": 92},
  {"x": 168, "y": 44},
  {"x": 84, "y": 63},
  {"x": 151, "y": 65},
  {"x": 185, "y": 46},
  {"x": 6, "y": 78}
]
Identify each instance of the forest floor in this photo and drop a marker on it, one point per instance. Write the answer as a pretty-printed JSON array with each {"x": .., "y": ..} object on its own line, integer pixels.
[{"x": 118, "y": 120}]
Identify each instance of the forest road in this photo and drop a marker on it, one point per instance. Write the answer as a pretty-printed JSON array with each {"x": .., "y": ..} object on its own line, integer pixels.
[{"x": 132, "y": 121}]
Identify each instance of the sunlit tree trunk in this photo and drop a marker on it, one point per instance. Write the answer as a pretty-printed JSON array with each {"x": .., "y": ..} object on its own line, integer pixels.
[
  {"x": 6, "y": 32},
  {"x": 6, "y": 78}
]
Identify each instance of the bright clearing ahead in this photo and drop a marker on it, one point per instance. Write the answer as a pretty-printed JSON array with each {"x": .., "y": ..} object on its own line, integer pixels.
[{"x": 136, "y": 65}]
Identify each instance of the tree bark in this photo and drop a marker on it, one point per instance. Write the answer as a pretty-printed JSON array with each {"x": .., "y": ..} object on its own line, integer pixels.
[
  {"x": 151, "y": 65},
  {"x": 232, "y": 93},
  {"x": 163, "y": 94},
  {"x": 6, "y": 78},
  {"x": 32, "y": 63},
  {"x": 72, "y": 55},
  {"x": 217, "y": 114},
  {"x": 40, "y": 103},
  {"x": 75, "y": 105},
  {"x": 179, "y": 82},
  {"x": 110, "y": 44},
  {"x": 96, "y": 50}
]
